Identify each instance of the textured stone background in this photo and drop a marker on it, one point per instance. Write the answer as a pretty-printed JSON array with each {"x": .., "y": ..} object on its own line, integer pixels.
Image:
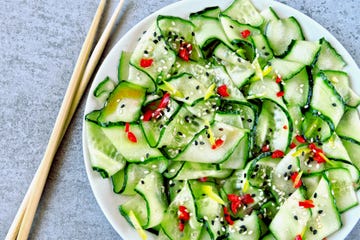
[{"x": 39, "y": 44}]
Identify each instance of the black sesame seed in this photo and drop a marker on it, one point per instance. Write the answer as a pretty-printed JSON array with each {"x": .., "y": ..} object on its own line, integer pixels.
[
  {"x": 206, "y": 127},
  {"x": 311, "y": 228},
  {"x": 207, "y": 111},
  {"x": 202, "y": 143},
  {"x": 221, "y": 129},
  {"x": 231, "y": 26},
  {"x": 320, "y": 211},
  {"x": 253, "y": 195},
  {"x": 144, "y": 32},
  {"x": 207, "y": 74},
  {"x": 266, "y": 53},
  {"x": 319, "y": 129},
  {"x": 270, "y": 130},
  {"x": 334, "y": 104},
  {"x": 122, "y": 105},
  {"x": 249, "y": 120},
  {"x": 242, "y": 119},
  {"x": 142, "y": 182},
  {"x": 166, "y": 49},
  {"x": 197, "y": 87},
  {"x": 315, "y": 232},
  {"x": 190, "y": 77},
  {"x": 187, "y": 119},
  {"x": 179, "y": 190},
  {"x": 180, "y": 133},
  {"x": 147, "y": 155},
  {"x": 192, "y": 34},
  {"x": 289, "y": 167},
  {"x": 187, "y": 98},
  {"x": 155, "y": 41},
  {"x": 146, "y": 52},
  {"x": 154, "y": 34},
  {"x": 296, "y": 217},
  {"x": 315, "y": 195}
]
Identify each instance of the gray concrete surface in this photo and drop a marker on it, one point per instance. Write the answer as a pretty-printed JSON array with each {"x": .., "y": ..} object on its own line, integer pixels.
[{"x": 39, "y": 44}]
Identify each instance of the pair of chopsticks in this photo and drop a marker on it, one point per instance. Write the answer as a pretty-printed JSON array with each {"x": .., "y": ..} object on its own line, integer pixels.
[{"x": 83, "y": 71}]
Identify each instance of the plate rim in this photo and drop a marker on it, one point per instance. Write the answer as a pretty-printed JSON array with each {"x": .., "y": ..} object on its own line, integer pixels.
[{"x": 97, "y": 183}]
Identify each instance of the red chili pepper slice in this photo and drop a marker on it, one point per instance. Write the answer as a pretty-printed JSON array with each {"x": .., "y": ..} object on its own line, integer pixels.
[
  {"x": 246, "y": 33},
  {"x": 227, "y": 216},
  {"x": 306, "y": 204},
  {"x": 300, "y": 139},
  {"x": 265, "y": 148},
  {"x": 164, "y": 100},
  {"x": 217, "y": 144},
  {"x": 181, "y": 226},
  {"x": 298, "y": 237},
  {"x": 318, "y": 158},
  {"x": 202, "y": 179},
  {"x": 292, "y": 145},
  {"x": 223, "y": 91},
  {"x": 147, "y": 115},
  {"x": 131, "y": 136},
  {"x": 146, "y": 62},
  {"x": 278, "y": 79},
  {"x": 293, "y": 178},
  {"x": 247, "y": 199},
  {"x": 183, "y": 213},
  {"x": 280, "y": 94},
  {"x": 277, "y": 154},
  {"x": 233, "y": 197},
  {"x": 185, "y": 51},
  {"x": 127, "y": 127},
  {"x": 235, "y": 202},
  {"x": 313, "y": 147}
]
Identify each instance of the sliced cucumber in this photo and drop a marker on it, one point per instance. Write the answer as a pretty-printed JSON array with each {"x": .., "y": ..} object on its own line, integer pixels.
[
  {"x": 290, "y": 219},
  {"x": 123, "y": 104},
  {"x": 244, "y": 11},
  {"x": 329, "y": 58},
  {"x": 281, "y": 32},
  {"x": 104, "y": 156},
  {"x": 325, "y": 218}
]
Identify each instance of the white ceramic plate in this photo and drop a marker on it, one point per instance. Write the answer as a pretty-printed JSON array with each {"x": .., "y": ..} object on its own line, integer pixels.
[{"x": 102, "y": 188}]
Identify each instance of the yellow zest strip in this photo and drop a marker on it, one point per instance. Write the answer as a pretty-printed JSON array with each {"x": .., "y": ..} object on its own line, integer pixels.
[
  {"x": 137, "y": 226},
  {"x": 303, "y": 232},
  {"x": 208, "y": 190},
  {"x": 210, "y": 132},
  {"x": 301, "y": 151},
  {"x": 245, "y": 188},
  {"x": 170, "y": 88},
  {"x": 326, "y": 159},
  {"x": 297, "y": 179},
  {"x": 210, "y": 91}
]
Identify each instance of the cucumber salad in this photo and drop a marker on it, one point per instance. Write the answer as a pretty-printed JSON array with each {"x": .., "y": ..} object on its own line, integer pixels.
[{"x": 229, "y": 124}]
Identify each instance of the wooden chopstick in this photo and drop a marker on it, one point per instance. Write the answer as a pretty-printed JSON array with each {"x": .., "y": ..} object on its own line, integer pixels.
[
  {"x": 21, "y": 225},
  {"x": 95, "y": 56}
]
